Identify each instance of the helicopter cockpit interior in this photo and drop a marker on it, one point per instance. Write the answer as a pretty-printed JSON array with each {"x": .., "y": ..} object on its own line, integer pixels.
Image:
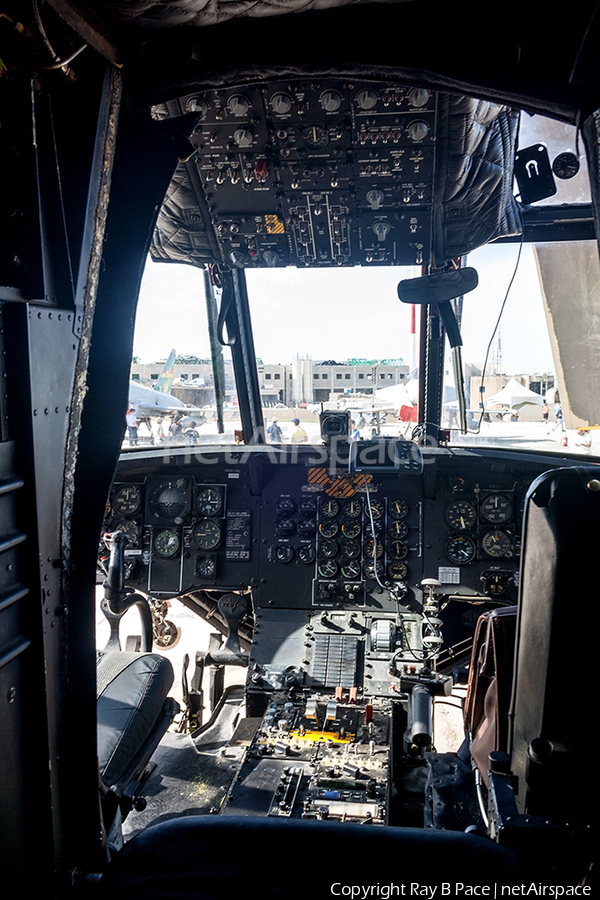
[{"x": 352, "y": 585}]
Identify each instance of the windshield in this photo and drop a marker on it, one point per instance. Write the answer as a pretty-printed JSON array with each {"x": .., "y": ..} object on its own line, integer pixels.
[{"x": 340, "y": 338}]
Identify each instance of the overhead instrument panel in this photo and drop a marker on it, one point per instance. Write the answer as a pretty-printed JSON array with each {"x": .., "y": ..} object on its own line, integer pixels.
[{"x": 310, "y": 174}]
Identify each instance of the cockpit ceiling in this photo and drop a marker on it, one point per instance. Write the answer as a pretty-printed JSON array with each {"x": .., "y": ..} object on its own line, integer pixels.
[
  {"x": 166, "y": 14},
  {"x": 323, "y": 172}
]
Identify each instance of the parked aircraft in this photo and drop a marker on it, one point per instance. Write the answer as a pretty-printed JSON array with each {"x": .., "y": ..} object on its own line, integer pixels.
[
  {"x": 344, "y": 580},
  {"x": 158, "y": 400}
]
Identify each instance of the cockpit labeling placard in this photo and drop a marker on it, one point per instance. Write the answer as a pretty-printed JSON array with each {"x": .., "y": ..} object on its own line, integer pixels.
[{"x": 238, "y": 534}]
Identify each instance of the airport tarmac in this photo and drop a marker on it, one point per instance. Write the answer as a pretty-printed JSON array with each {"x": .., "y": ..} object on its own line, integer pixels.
[{"x": 544, "y": 436}]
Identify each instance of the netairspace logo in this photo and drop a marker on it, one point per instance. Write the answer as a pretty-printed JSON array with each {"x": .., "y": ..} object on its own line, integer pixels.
[{"x": 457, "y": 889}]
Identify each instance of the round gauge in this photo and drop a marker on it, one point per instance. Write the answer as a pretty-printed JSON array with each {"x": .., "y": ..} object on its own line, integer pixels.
[
  {"x": 306, "y": 527},
  {"x": 351, "y": 529},
  {"x": 330, "y": 509},
  {"x": 374, "y": 549},
  {"x": 284, "y": 553},
  {"x": 306, "y": 554},
  {"x": 496, "y": 508},
  {"x": 127, "y": 499},
  {"x": 131, "y": 530},
  {"x": 330, "y": 101},
  {"x": 328, "y": 569},
  {"x": 351, "y": 569},
  {"x": 397, "y": 571},
  {"x": 376, "y": 509},
  {"x": 565, "y": 165},
  {"x": 166, "y": 543},
  {"x": 497, "y": 544},
  {"x": 370, "y": 569},
  {"x": 209, "y": 501},
  {"x": 328, "y": 529},
  {"x": 285, "y": 506},
  {"x": 461, "y": 550},
  {"x": 281, "y": 103},
  {"x": 398, "y": 549},
  {"x": 207, "y": 534},
  {"x": 370, "y": 530},
  {"x": 168, "y": 500},
  {"x": 285, "y": 527},
  {"x": 329, "y": 548},
  {"x": 130, "y": 567},
  {"x": 308, "y": 506},
  {"x": 367, "y": 99},
  {"x": 352, "y": 509},
  {"x": 206, "y": 566},
  {"x": 398, "y": 509},
  {"x": 461, "y": 515},
  {"x": 351, "y": 549},
  {"x": 496, "y": 584},
  {"x": 315, "y": 136},
  {"x": 398, "y": 529},
  {"x": 458, "y": 485}
]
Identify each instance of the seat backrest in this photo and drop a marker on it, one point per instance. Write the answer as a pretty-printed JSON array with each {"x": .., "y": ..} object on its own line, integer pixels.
[
  {"x": 490, "y": 685},
  {"x": 132, "y": 690},
  {"x": 209, "y": 858},
  {"x": 550, "y": 723}
]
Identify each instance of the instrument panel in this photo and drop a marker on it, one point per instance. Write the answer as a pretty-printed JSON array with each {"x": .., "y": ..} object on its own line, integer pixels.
[
  {"x": 310, "y": 174},
  {"x": 325, "y": 549}
]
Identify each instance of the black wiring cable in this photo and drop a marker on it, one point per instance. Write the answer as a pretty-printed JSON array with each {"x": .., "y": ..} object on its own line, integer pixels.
[{"x": 496, "y": 326}]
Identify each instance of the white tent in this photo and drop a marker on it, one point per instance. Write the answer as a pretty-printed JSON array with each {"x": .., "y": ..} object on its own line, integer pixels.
[{"x": 514, "y": 395}]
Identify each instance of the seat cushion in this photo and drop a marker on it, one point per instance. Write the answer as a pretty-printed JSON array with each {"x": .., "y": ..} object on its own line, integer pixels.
[{"x": 131, "y": 692}]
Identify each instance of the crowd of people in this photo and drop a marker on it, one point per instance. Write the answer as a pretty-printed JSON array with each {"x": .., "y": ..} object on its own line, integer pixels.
[{"x": 179, "y": 430}]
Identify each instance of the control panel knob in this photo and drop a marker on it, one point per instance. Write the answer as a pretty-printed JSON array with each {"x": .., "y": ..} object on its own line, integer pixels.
[
  {"x": 197, "y": 105},
  {"x": 330, "y": 101},
  {"x": 418, "y": 97},
  {"x": 281, "y": 103},
  {"x": 238, "y": 258},
  {"x": 382, "y": 230},
  {"x": 271, "y": 258},
  {"x": 418, "y": 130},
  {"x": 238, "y": 105},
  {"x": 375, "y": 198},
  {"x": 366, "y": 99},
  {"x": 243, "y": 137}
]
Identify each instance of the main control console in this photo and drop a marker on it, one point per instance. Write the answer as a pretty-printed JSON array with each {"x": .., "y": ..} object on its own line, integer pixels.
[{"x": 365, "y": 578}]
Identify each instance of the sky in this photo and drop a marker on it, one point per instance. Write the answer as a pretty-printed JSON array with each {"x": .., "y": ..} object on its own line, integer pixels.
[{"x": 344, "y": 313}]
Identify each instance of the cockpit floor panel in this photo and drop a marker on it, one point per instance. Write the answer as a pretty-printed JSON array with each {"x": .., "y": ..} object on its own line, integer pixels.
[{"x": 190, "y": 779}]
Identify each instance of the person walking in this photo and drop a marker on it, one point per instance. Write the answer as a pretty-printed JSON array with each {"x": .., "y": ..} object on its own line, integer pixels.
[
  {"x": 274, "y": 431},
  {"x": 299, "y": 436}
]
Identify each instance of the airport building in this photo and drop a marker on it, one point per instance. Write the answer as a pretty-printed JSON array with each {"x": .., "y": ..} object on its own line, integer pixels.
[{"x": 303, "y": 381}]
